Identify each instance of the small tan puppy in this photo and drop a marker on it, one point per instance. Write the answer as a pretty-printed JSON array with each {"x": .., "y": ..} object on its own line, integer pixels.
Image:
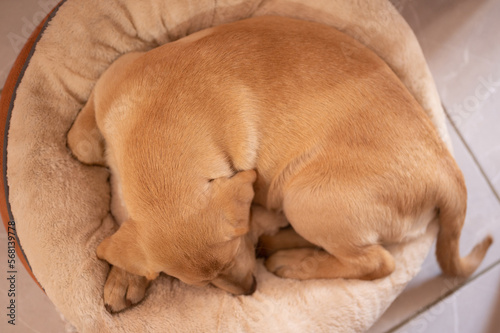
[{"x": 271, "y": 112}]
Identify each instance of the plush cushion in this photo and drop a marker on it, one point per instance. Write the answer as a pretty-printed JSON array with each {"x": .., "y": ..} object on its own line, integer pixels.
[{"x": 61, "y": 207}]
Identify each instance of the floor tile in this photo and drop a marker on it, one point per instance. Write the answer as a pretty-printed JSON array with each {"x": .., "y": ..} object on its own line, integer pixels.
[
  {"x": 483, "y": 217},
  {"x": 460, "y": 41},
  {"x": 18, "y": 19},
  {"x": 475, "y": 308}
]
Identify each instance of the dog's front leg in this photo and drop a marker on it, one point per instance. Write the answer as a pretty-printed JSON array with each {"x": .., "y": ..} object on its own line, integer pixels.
[
  {"x": 84, "y": 138},
  {"x": 284, "y": 239},
  {"x": 123, "y": 289},
  {"x": 264, "y": 222}
]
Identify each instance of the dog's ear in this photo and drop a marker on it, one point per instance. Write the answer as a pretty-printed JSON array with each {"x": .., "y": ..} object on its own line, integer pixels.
[
  {"x": 122, "y": 249},
  {"x": 84, "y": 138},
  {"x": 237, "y": 199}
]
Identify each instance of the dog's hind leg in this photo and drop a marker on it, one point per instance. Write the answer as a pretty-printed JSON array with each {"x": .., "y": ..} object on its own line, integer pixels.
[
  {"x": 368, "y": 263},
  {"x": 343, "y": 220}
]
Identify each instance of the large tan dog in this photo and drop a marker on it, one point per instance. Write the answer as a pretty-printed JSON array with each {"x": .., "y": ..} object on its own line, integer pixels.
[{"x": 293, "y": 119}]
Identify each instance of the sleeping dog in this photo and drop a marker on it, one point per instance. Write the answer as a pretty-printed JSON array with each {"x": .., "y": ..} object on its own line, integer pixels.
[{"x": 238, "y": 130}]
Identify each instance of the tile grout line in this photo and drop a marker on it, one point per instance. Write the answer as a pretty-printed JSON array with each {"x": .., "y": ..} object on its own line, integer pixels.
[
  {"x": 474, "y": 158},
  {"x": 444, "y": 296}
]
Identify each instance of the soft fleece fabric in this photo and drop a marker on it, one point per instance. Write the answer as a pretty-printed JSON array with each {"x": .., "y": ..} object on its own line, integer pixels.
[{"x": 62, "y": 207}]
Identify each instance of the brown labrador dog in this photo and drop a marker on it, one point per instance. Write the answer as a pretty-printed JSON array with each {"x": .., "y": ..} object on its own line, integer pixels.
[{"x": 272, "y": 112}]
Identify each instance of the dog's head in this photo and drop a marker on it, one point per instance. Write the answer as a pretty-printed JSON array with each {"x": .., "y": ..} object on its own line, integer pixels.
[{"x": 202, "y": 240}]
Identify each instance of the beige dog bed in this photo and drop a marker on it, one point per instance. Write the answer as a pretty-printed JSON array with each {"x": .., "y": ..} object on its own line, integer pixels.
[{"x": 61, "y": 207}]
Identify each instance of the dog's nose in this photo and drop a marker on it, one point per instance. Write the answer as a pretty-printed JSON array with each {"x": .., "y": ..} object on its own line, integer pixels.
[{"x": 253, "y": 287}]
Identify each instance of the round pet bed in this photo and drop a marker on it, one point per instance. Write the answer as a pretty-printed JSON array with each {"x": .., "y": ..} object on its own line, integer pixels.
[{"x": 61, "y": 208}]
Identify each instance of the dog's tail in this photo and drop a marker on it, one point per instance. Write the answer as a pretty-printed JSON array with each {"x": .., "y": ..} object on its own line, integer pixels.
[{"x": 452, "y": 207}]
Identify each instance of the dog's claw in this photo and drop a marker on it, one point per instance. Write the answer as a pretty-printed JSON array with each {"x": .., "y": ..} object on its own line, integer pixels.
[{"x": 108, "y": 308}]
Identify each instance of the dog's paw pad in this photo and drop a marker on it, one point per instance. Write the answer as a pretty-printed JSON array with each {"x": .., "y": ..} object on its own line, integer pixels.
[{"x": 123, "y": 290}]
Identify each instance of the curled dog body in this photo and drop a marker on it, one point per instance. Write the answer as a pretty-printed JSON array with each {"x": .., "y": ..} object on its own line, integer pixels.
[{"x": 243, "y": 128}]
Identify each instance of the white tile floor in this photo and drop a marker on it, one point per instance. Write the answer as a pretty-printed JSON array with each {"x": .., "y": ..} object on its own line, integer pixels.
[{"x": 461, "y": 42}]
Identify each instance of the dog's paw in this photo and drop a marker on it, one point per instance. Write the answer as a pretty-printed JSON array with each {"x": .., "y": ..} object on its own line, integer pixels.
[
  {"x": 300, "y": 264},
  {"x": 123, "y": 289},
  {"x": 268, "y": 245},
  {"x": 284, "y": 239}
]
